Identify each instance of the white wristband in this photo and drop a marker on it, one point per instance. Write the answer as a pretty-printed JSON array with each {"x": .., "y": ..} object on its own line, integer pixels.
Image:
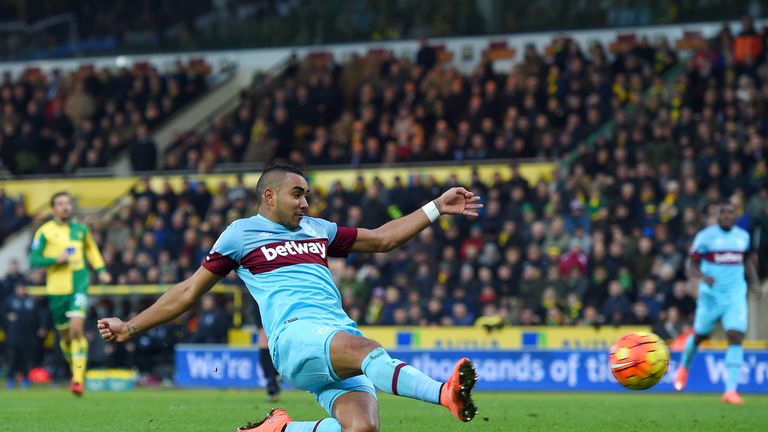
[{"x": 430, "y": 209}]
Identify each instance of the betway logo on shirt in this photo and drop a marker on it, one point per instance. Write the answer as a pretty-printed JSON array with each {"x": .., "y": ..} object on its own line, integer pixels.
[
  {"x": 725, "y": 257},
  {"x": 294, "y": 248},
  {"x": 280, "y": 254}
]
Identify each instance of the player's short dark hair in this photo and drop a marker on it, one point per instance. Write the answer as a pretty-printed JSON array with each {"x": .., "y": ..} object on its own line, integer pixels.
[
  {"x": 56, "y": 195},
  {"x": 266, "y": 176},
  {"x": 286, "y": 167}
]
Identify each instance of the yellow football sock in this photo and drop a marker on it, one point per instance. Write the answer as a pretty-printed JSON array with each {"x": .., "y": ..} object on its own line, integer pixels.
[
  {"x": 66, "y": 349},
  {"x": 79, "y": 359}
]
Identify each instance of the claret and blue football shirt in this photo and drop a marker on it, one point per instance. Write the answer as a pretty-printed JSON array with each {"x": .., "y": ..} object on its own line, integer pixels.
[
  {"x": 722, "y": 257},
  {"x": 285, "y": 270}
]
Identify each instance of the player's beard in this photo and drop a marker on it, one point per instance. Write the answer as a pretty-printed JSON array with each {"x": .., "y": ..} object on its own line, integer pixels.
[
  {"x": 297, "y": 218},
  {"x": 293, "y": 222}
]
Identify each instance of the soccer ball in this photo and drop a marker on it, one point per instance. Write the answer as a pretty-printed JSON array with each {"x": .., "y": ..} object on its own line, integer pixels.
[{"x": 639, "y": 360}]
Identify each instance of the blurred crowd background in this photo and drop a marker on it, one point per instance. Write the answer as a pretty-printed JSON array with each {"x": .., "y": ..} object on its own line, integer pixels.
[{"x": 647, "y": 144}]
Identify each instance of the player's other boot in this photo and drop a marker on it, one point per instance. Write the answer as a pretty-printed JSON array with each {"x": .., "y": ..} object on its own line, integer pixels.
[
  {"x": 76, "y": 388},
  {"x": 456, "y": 393},
  {"x": 275, "y": 421},
  {"x": 273, "y": 389},
  {"x": 732, "y": 397},
  {"x": 681, "y": 377}
]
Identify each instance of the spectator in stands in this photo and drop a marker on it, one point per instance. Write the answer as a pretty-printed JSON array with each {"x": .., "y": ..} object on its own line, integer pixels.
[
  {"x": 14, "y": 215},
  {"x": 642, "y": 260},
  {"x": 426, "y": 57},
  {"x": 461, "y": 316},
  {"x": 143, "y": 151},
  {"x": 212, "y": 324},
  {"x": 649, "y": 296},
  {"x": 617, "y": 308},
  {"x": 640, "y": 314},
  {"x": 23, "y": 332},
  {"x": 435, "y": 311},
  {"x": 671, "y": 326},
  {"x": 681, "y": 300},
  {"x": 13, "y": 278}
]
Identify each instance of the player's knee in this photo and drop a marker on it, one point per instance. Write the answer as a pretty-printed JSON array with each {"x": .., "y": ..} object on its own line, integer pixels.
[
  {"x": 75, "y": 333},
  {"x": 362, "y": 345},
  {"x": 699, "y": 339},
  {"x": 361, "y": 424},
  {"x": 369, "y": 345},
  {"x": 734, "y": 337}
]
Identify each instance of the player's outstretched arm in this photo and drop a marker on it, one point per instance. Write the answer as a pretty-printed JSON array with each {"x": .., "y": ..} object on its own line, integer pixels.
[
  {"x": 173, "y": 303},
  {"x": 456, "y": 201}
]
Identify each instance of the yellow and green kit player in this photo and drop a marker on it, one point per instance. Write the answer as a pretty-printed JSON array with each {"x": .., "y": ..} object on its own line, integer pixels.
[{"x": 62, "y": 245}]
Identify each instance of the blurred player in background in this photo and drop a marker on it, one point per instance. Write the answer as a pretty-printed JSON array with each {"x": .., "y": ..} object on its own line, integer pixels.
[
  {"x": 720, "y": 257},
  {"x": 281, "y": 255},
  {"x": 62, "y": 246}
]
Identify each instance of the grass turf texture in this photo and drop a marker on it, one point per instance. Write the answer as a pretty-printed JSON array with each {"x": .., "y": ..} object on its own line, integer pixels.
[{"x": 203, "y": 410}]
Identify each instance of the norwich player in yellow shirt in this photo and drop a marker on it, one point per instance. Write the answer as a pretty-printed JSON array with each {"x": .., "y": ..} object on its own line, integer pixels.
[{"x": 62, "y": 245}]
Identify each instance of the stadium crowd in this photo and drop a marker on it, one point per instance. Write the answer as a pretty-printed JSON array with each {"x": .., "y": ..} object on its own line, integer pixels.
[
  {"x": 380, "y": 109},
  {"x": 60, "y": 122},
  {"x": 603, "y": 242}
]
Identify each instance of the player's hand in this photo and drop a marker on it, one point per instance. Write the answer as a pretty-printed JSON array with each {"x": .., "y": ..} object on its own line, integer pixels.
[
  {"x": 458, "y": 201},
  {"x": 709, "y": 280},
  {"x": 105, "y": 277},
  {"x": 63, "y": 258},
  {"x": 113, "y": 330}
]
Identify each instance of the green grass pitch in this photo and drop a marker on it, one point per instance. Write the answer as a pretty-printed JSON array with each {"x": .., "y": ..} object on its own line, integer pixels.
[{"x": 209, "y": 410}]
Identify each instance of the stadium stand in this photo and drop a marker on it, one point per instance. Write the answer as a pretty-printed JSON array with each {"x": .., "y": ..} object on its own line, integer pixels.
[
  {"x": 382, "y": 109},
  {"x": 60, "y": 122}
]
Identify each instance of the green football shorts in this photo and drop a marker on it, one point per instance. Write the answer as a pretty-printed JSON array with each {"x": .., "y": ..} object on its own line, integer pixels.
[{"x": 64, "y": 307}]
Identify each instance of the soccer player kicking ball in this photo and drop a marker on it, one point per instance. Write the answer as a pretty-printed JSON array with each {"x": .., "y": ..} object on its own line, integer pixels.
[
  {"x": 719, "y": 257},
  {"x": 62, "y": 246},
  {"x": 281, "y": 254}
]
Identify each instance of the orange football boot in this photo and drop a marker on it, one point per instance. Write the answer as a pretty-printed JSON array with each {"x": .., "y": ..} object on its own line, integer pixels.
[
  {"x": 681, "y": 377},
  {"x": 76, "y": 388},
  {"x": 456, "y": 393},
  {"x": 732, "y": 397},
  {"x": 275, "y": 421}
]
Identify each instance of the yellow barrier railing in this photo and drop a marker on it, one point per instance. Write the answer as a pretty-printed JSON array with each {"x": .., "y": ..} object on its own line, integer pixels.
[{"x": 95, "y": 193}]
